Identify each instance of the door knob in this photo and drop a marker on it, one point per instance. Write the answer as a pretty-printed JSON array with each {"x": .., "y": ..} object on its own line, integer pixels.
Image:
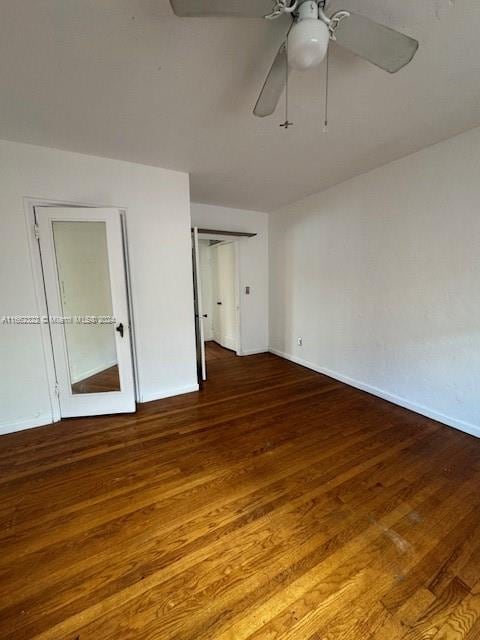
[
  {"x": 119, "y": 328},
  {"x": 219, "y": 303}
]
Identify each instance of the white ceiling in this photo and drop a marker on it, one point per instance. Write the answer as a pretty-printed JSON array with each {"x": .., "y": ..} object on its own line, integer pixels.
[{"x": 126, "y": 79}]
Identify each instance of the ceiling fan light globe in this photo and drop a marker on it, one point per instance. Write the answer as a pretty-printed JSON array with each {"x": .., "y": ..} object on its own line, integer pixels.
[{"x": 307, "y": 44}]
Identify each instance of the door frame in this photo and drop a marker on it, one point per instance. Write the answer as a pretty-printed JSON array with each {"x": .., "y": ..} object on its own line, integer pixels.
[
  {"x": 227, "y": 239},
  {"x": 36, "y": 266},
  {"x": 198, "y": 310}
]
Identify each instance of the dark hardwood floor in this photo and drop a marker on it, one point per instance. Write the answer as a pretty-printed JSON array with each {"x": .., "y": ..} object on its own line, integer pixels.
[
  {"x": 215, "y": 351},
  {"x": 275, "y": 504}
]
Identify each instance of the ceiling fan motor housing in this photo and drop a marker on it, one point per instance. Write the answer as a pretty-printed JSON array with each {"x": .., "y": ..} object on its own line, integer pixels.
[{"x": 308, "y": 39}]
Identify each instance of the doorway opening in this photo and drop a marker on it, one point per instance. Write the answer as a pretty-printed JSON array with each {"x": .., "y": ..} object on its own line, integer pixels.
[
  {"x": 216, "y": 274},
  {"x": 218, "y": 281}
]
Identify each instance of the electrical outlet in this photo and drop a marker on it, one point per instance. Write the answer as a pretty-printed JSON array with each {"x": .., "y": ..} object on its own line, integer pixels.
[{"x": 300, "y": 342}]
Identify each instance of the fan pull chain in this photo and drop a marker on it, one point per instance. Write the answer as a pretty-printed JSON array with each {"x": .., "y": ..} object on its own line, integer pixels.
[
  {"x": 287, "y": 122},
  {"x": 327, "y": 74}
]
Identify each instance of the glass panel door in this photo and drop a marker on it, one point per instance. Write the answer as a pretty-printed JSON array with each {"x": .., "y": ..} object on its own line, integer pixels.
[{"x": 82, "y": 257}]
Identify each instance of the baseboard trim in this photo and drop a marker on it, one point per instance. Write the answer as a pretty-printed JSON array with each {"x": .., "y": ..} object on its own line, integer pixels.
[
  {"x": 24, "y": 424},
  {"x": 466, "y": 427},
  {"x": 93, "y": 372},
  {"x": 153, "y": 395},
  {"x": 253, "y": 352}
]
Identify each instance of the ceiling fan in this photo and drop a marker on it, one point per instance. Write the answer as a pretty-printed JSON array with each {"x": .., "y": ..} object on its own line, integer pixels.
[{"x": 308, "y": 37}]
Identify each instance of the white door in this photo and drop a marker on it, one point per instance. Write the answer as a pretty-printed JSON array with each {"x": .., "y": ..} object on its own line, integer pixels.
[
  {"x": 84, "y": 274},
  {"x": 225, "y": 306},
  {"x": 199, "y": 315}
]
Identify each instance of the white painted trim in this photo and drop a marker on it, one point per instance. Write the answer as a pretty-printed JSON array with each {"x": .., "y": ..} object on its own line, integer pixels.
[
  {"x": 467, "y": 427},
  {"x": 36, "y": 268},
  {"x": 128, "y": 277},
  {"x": 26, "y": 423},
  {"x": 238, "y": 297},
  {"x": 253, "y": 352},
  {"x": 150, "y": 396},
  {"x": 197, "y": 282}
]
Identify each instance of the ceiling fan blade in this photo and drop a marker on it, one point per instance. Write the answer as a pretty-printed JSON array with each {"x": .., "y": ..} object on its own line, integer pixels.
[
  {"x": 232, "y": 8},
  {"x": 274, "y": 85},
  {"x": 386, "y": 48}
]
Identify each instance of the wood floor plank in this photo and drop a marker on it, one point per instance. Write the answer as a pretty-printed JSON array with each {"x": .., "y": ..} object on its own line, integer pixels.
[
  {"x": 297, "y": 487},
  {"x": 370, "y": 544},
  {"x": 275, "y": 504}
]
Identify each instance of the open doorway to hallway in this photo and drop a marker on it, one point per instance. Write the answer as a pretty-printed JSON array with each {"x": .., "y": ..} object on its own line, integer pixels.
[
  {"x": 217, "y": 261},
  {"x": 218, "y": 277},
  {"x": 222, "y": 294}
]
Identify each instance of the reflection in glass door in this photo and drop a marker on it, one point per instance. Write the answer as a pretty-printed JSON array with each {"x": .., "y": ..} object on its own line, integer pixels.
[
  {"x": 84, "y": 281},
  {"x": 82, "y": 257}
]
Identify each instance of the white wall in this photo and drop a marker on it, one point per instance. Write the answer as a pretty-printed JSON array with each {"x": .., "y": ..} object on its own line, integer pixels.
[
  {"x": 380, "y": 275},
  {"x": 157, "y": 203},
  {"x": 253, "y": 267}
]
